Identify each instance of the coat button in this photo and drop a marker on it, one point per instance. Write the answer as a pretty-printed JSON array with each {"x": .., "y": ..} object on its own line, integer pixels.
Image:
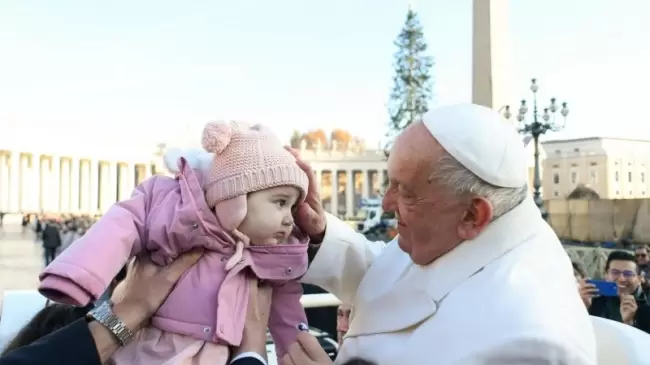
[
  {"x": 223, "y": 259},
  {"x": 206, "y": 329},
  {"x": 288, "y": 270},
  {"x": 195, "y": 225}
]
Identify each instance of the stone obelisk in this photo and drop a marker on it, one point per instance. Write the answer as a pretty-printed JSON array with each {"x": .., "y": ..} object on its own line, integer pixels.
[{"x": 491, "y": 63}]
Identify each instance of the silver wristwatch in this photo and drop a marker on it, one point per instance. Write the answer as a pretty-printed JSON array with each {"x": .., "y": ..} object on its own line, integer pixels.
[{"x": 104, "y": 315}]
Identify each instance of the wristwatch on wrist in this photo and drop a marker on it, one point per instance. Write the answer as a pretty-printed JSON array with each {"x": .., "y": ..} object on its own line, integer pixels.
[{"x": 105, "y": 316}]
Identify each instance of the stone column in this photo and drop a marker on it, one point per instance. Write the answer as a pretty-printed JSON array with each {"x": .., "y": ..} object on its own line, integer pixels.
[
  {"x": 318, "y": 177},
  {"x": 127, "y": 183},
  {"x": 14, "y": 183},
  {"x": 105, "y": 186},
  {"x": 349, "y": 193},
  {"x": 93, "y": 190},
  {"x": 84, "y": 186},
  {"x": 381, "y": 176},
  {"x": 24, "y": 193},
  {"x": 145, "y": 171},
  {"x": 43, "y": 188},
  {"x": 35, "y": 184},
  {"x": 74, "y": 184},
  {"x": 334, "y": 209},
  {"x": 365, "y": 187},
  {"x": 112, "y": 186},
  {"x": 4, "y": 183},
  {"x": 55, "y": 184},
  {"x": 64, "y": 197},
  {"x": 491, "y": 64}
]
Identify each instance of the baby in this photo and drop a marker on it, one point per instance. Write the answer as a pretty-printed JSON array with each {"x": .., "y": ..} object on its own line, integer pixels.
[{"x": 236, "y": 201}]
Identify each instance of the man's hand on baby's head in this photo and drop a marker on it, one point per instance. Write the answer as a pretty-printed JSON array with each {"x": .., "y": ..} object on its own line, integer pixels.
[{"x": 309, "y": 215}]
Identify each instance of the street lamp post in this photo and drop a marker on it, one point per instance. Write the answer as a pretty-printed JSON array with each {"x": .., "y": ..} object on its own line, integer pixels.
[{"x": 538, "y": 126}]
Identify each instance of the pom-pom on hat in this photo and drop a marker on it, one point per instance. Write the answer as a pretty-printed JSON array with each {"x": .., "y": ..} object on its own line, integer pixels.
[{"x": 247, "y": 158}]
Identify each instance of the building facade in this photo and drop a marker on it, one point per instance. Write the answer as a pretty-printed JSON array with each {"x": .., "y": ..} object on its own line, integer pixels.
[{"x": 615, "y": 168}]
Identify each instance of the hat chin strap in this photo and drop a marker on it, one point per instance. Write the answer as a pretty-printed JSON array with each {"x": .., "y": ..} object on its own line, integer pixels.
[{"x": 242, "y": 241}]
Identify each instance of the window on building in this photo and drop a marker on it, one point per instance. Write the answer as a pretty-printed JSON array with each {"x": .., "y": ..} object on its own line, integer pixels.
[
  {"x": 629, "y": 176},
  {"x": 616, "y": 176},
  {"x": 642, "y": 192},
  {"x": 630, "y": 192},
  {"x": 556, "y": 178},
  {"x": 593, "y": 177},
  {"x": 558, "y": 152},
  {"x": 643, "y": 177},
  {"x": 574, "y": 177},
  {"x": 576, "y": 150},
  {"x": 556, "y": 193},
  {"x": 618, "y": 192}
]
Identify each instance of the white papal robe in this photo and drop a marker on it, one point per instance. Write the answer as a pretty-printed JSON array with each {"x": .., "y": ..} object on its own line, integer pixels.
[{"x": 507, "y": 297}]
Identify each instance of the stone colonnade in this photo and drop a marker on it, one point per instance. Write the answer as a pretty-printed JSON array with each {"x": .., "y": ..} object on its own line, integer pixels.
[
  {"x": 346, "y": 177},
  {"x": 35, "y": 183},
  {"x": 350, "y": 186}
]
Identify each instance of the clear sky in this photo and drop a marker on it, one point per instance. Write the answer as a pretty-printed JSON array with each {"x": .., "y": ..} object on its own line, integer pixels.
[{"x": 90, "y": 68}]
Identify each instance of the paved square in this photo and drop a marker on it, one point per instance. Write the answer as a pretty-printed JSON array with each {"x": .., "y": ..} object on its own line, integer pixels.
[{"x": 21, "y": 259}]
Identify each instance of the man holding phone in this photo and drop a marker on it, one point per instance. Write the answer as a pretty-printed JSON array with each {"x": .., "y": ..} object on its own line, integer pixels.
[{"x": 625, "y": 302}]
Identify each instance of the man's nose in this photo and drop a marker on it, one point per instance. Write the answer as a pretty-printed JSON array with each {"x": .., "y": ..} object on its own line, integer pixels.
[
  {"x": 342, "y": 326},
  {"x": 388, "y": 202}
]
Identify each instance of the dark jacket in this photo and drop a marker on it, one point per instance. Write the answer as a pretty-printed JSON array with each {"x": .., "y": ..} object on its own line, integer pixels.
[
  {"x": 609, "y": 307},
  {"x": 71, "y": 345},
  {"x": 51, "y": 237}
]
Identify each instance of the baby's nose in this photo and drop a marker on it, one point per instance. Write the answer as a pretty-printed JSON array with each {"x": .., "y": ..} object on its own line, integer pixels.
[{"x": 288, "y": 220}]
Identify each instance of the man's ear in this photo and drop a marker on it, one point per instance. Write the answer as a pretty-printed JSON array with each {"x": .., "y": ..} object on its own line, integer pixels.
[{"x": 477, "y": 216}]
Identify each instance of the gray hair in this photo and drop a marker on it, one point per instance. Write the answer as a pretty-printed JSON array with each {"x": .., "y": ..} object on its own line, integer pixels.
[{"x": 463, "y": 182}]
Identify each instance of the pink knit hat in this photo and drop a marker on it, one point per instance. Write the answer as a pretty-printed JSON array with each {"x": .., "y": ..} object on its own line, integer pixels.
[{"x": 247, "y": 158}]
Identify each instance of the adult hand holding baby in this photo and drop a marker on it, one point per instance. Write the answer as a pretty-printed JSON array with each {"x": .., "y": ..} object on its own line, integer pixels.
[{"x": 310, "y": 216}]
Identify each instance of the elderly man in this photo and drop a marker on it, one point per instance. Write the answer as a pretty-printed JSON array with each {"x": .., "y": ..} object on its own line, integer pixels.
[{"x": 475, "y": 275}]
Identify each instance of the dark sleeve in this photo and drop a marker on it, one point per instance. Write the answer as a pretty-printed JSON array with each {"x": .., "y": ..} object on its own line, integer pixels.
[
  {"x": 642, "y": 318},
  {"x": 71, "y": 345},
  {"x": 244, "y": 361}
]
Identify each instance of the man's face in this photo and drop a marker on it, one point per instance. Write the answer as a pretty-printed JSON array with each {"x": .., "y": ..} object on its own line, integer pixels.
[
  {"x": 342, "y": 322},
  {"x": 624, "y": 273},
  {"x": 429, "y": 215},
  {"x": 641, "y": 254}
]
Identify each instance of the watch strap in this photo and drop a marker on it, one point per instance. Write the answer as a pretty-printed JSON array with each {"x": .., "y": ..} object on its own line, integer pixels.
[{"x": 105, "y": 316}]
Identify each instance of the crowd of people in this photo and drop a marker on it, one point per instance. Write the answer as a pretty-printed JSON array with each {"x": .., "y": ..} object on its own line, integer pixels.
[
  {"x": 56, "y": 232},
  {"x": 218, "y": 252}
]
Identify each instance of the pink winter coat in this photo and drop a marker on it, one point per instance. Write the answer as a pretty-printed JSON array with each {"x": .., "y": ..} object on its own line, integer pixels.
[{"x": 164, "y": 218}]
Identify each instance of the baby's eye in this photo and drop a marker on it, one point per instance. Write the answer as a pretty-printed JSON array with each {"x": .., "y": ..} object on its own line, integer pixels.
[{"x": 282, "y": 202}]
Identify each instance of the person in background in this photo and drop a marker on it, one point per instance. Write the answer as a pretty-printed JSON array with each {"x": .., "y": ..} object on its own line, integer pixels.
[
  {"x": 342, "y": 321},
  {"x": 69, "y": 234},
  {"x": 643, "y": 260},
  {"x": 631, "y": 306},
  {"x": 51, "y": 241},
  {"x": 25, "y": 223},
  {"x": 578, "y": 271}
]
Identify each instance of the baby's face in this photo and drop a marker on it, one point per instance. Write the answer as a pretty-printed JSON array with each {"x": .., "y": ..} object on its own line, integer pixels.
[{"x": 269, "y": 220}]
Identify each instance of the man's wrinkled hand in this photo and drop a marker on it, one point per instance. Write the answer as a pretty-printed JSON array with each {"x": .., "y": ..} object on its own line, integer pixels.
[
  {"x": 146, "y": 287},
  {"x": 306, "y": 351}
]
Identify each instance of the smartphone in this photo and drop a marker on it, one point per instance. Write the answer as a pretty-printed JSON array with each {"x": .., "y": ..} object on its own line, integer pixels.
[{"x": 605, "y": 288}]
